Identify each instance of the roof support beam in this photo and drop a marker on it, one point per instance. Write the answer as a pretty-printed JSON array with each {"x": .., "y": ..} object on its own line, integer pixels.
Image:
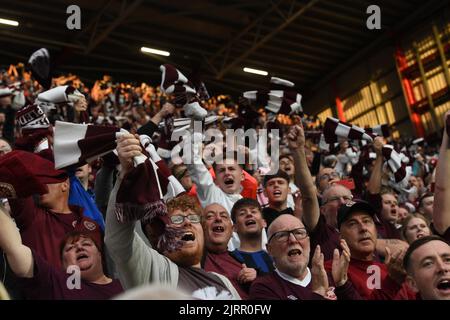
[
  {"x": 260, "y": 38},
  {"x": 421, "y": 11},
  {"x": 125, "y": 12}
]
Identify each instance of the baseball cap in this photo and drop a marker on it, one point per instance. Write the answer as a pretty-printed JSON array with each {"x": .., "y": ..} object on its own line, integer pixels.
[{"x": 345, "y": 210}]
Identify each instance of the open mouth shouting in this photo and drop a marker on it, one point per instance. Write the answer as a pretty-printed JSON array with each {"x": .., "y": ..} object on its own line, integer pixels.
[
  {"x": 82, "y": 257},
  {"x": 294, "y": 253},
  {"x": 188, "y": 237},
  {"x": 443, "y": 286},
  {"x": 288, "y": 169},
  {"x": 250, "y": 222},
  {"x": 218, "y": 229},
  {"x": 228, "y": 181},
  {"x": 277, "y": 193}
]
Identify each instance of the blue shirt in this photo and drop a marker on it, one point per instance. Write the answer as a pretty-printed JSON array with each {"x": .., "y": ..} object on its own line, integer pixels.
[{"x": 259, "y": 260}]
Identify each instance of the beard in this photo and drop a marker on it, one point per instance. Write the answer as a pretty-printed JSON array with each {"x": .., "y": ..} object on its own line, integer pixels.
[{"x": 187, "y": 259}]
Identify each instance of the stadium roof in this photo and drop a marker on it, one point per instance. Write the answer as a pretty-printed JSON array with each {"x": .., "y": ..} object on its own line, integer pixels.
[{"x": 307, "y": 42}]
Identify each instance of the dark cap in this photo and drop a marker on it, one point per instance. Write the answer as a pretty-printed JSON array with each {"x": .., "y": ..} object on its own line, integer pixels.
[
  {"x": 347, "y": 209},
  {"x": 279, "y": 174}
]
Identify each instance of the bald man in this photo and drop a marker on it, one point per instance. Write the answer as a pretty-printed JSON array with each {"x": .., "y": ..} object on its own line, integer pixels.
[{"x": 292, "y": 279}]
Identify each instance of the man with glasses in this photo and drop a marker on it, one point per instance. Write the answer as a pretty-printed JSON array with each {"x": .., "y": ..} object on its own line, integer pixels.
[
  {"x": 292, "y": 279},
  {"x": 322, "y": 224},
  {"x": 325, "y": 178},
  {"x": 319, "y": 222},
  {"x": 177, "y": 239}
]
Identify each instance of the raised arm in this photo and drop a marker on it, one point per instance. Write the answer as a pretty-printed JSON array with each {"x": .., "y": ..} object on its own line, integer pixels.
[
  {"x": 137, "y": 263},
  {"x": 303, "y": 179},
  {"x": 441, "y": 211},
  {"x": 201, "y": 177},
  {"x": 19, "y": 256},
  {"x": 374, "y": 185}
]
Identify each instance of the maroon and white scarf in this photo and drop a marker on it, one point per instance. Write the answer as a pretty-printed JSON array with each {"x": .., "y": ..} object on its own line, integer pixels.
[
  {"x": 281, "y": 98},
  {"x": 173, "y": 82},
  {"x": 337, "y": 131},
  {"x": 142, "y": 190}
]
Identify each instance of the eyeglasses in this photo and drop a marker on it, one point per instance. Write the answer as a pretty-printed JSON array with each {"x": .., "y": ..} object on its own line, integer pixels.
[
  {"x": 283, "y": 236},
  {"x": 179, "y": 219},
  {"x": 345, "y": 198},
  {"x": 329, "y": 176}
]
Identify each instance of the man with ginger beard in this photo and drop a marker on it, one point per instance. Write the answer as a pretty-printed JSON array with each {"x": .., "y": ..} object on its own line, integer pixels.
[
  {"x": 177, "y": 267},
  {"x": 217, "y": 228}
]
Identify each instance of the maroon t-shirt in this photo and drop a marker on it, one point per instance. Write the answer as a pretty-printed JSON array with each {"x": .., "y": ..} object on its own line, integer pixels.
[
  {"x": 385, "y": 229},
  {"x": 273, "y": 287},
  {"x": 49, "y": 283},
  {"x": 370, "y": 279},
  {"x": 43, "y": 230},
  {"x": 223, "y": 263},
  {"x": 326, "y": 236}
]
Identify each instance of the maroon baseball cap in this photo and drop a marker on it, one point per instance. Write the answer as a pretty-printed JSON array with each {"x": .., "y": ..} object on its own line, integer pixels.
[{"x": 41, "y": 169}]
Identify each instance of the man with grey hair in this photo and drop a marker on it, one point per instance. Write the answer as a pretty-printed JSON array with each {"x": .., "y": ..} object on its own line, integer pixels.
[{"x": 292, "y": 279}]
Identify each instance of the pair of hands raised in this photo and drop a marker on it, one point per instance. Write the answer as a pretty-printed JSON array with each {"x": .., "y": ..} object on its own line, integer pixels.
[{"x": 339, "y": 270}]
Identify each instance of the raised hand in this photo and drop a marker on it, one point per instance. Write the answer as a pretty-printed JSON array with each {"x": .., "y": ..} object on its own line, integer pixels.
[
  {"x": 378, "y": 144},
  {"x": 80, "y": 104},
  {"x": 246, "y": 274},
  {"x": 394, "y": 264},
  {"x": 128, "y": 146},
  {"x": 339, "y": 266},
  {"x": 296, "y": 137},
  {"x": 319, "y": 281},
  {"x": 167, "y": 109}
]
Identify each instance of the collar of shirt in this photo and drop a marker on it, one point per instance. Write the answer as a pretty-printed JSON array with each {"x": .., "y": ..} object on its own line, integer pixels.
[{"x": 296, "y": 281}]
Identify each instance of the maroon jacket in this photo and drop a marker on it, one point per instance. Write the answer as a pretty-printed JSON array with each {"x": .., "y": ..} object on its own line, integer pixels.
[
  {"x": 273, "y": 287},
  {"x": 43, "y": 230},
  {"x": 224, "y": 264}
]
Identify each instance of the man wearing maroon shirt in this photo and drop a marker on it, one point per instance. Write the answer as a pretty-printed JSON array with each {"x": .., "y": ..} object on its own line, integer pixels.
[
  {"x": 289, "y": 247},
  {"x": 218, "y": 228},
  {"x": 371, "y": 279},
  {"x": 44, "y": 221},
  {"x": 321, "y": 223},
  {"x": 80, "y": 255},
  {"x": 292, "y": 279}
]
